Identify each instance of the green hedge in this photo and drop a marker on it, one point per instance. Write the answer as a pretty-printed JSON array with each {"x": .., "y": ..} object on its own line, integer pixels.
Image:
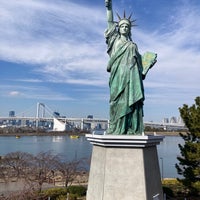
[
  {"x": 55, "y": 193},
  {"x": 78, "y": 190},
  {"x": 61, "y": 193}
]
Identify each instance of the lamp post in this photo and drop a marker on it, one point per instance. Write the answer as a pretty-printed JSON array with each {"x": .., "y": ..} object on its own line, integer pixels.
[{"x": 161, "y": 158}]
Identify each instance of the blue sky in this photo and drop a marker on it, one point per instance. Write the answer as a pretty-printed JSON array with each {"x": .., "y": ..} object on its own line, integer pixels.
[{"x": 54, "y": 52}]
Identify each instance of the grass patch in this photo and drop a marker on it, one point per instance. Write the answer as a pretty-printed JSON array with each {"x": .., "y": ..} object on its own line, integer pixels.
[{"x": 175, "y": 190}]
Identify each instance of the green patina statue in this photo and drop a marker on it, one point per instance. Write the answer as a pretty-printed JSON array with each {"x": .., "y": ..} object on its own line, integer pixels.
[{"x": 127, "y": 71}]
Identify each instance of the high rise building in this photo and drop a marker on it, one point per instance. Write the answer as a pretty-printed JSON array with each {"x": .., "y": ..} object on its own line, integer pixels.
[
  {"x": 56, "y": 114},
  {"x": 11, "y": 113},
  {"x": 166, "y": 120},
  {"x": 90, "y": 116}
]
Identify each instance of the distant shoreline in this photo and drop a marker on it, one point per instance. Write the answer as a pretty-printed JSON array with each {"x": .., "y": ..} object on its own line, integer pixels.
[
  {"x": 167, "y": 133},
  {"x": 79, "y": 134},
  {"x": 41, "y": 134}
]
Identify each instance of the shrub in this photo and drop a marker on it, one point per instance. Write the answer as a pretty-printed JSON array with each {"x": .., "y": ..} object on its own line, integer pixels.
[
  {"x": 79, "y": 190},
  {"x": 55, "y": 193},
  {"x": 62, "y": 197},
  {"x": 73, "y": 197},
  {"x": 168, "y": 191}
]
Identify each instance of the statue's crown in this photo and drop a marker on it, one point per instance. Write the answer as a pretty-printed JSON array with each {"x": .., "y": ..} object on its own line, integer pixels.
[{"x": 125, "y": 20}]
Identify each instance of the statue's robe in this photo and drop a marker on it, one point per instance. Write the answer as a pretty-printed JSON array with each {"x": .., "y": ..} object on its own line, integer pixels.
[{"x": 126, "y": 86}]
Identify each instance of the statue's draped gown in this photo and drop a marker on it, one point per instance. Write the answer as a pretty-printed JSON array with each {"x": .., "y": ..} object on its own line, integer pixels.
[{"x": 126, "y": 86}]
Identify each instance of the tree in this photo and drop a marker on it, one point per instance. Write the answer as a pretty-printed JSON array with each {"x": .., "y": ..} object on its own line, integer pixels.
[
  {"x": 69, "y": 170},
  {"x": 189, "y": 161},
  {"x": 14, "y": 165},
  {"x": 42, "y": 168},
  {"x": 33, "y": 171}
]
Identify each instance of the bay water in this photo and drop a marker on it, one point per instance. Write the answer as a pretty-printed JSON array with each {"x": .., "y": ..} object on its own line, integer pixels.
[{"x": 79, "y": 148}]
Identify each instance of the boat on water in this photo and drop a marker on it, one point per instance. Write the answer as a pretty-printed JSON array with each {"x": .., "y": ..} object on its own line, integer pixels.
[
  {"x": 74, "y": 136},
  {"x": 17, "y": 136}
]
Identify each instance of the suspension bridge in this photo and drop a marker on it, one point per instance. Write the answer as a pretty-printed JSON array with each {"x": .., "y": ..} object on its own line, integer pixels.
[{"x": 46, "y": 118}]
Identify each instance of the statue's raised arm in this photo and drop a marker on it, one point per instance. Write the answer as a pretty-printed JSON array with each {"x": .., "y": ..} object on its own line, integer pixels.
[{"x": 108, "y": 4}]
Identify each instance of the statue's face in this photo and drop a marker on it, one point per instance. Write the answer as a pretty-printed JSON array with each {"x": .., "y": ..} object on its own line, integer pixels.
[{"x": 124, "y": 29}]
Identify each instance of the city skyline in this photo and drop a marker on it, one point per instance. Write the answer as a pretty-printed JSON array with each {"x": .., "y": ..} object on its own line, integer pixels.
[
  {"x": 54, "y": 52},
  {"x": 43, "y": 110}
]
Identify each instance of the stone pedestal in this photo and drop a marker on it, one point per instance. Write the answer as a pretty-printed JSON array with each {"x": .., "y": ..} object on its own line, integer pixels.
[{"x": 124, "y": 167}]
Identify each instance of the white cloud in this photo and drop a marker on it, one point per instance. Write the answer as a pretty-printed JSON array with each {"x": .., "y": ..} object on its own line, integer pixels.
[
  {"x": 55, "y": 36},
  {"x": 29, "y": 80},
  {"x": 14, "y": 93},
  {"x": 33, "y": 92},
  {"x": 176, "y": 73},
  {"x": 65, "y": 42}
]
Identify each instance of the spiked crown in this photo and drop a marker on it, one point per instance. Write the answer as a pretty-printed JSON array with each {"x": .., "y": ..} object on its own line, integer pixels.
[{"x": 125, "y": 20}]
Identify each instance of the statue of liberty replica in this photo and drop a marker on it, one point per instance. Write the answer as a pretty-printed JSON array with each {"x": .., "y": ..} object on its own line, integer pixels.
[
  {"x": 127, "y": 71},
  {"x": 124, "y": 163}
]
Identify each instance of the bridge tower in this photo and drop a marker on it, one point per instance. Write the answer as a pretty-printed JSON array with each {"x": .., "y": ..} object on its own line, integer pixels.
[{"x": 40, "y": 106}]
